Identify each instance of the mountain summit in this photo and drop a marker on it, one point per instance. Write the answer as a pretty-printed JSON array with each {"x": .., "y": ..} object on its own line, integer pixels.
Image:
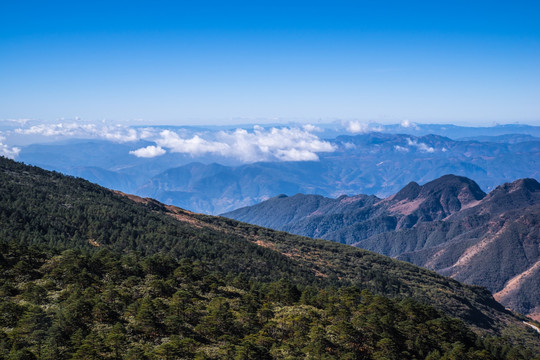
[
  {"x": 317, "y": 216},
  {"x": 435, "y": 200}
]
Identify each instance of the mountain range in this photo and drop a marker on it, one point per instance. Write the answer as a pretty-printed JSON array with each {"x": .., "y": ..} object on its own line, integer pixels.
[
  {"x": 448, "y": 225},
  {"x": 378, "y": 163},
  {"x": 68, "y": 242}
]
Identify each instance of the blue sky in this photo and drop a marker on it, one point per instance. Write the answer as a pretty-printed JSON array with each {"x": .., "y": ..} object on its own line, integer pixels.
[{"x": 209, "y": 62}]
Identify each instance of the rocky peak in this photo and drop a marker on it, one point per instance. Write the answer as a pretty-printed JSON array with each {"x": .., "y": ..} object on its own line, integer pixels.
[{"x": 409, "y": 192}]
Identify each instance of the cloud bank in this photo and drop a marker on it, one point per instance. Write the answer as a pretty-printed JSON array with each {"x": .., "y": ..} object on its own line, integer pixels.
[
  {"x": 115, "y": 133},
  {"x": 260, "y": 144},
  {"x": 298, "y": 143}
]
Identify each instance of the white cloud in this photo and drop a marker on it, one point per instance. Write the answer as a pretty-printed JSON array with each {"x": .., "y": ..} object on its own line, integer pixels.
[
  {"x": 420, "y": 146},
  {"x": 401, "y": 148},
  {"x": 194, "y": 146},
  {"x": 311, "y": 128},
  {"x": 20, "y": 122},
  {"x": 7, "y": 151},
  {"x": 409, "y": 124},
  {"x": 349, "y": 145},
  {"x": 116, "y": 133},
  {"x": 147, "y": 133},
  {"x": 258, "y": 144},
  {"x": 60, "y": 129},
  {"x": 296, "y": 155},
  {"x": 275, "y": 144},
  {"x": 355, "y": 127},
  {"x": 148, "y": 152}
]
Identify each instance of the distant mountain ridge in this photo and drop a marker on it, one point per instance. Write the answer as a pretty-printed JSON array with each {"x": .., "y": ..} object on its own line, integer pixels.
[
  {"x": 413, "y": 204},
  {"x": 374, "y": 163},
  {"x": 379, "y": 163},
  {"x": 448, "y": 225}
]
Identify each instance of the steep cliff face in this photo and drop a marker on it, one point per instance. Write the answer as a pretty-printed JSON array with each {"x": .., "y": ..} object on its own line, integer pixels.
[{"x": 495, "y": 243}]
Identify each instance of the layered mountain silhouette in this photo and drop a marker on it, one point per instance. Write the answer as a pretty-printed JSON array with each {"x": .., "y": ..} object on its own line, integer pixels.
[
  {"x": 448, "y": 225},
  {"x": 373, "y": 163}
]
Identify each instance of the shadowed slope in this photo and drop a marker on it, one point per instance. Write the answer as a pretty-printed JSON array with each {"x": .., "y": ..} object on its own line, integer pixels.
[{"x": 448, "y": 225}]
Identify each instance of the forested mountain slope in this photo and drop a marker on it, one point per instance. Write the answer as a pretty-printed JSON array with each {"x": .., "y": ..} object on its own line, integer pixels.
[
  {"x": 448, "y": 225},
  {"x": 71, "y": 248}
]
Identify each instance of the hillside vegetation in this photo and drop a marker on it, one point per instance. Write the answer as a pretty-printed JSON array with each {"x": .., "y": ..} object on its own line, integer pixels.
[
  {"x": 89, "y": 273},
  {"x": 448, "y": 225}
]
